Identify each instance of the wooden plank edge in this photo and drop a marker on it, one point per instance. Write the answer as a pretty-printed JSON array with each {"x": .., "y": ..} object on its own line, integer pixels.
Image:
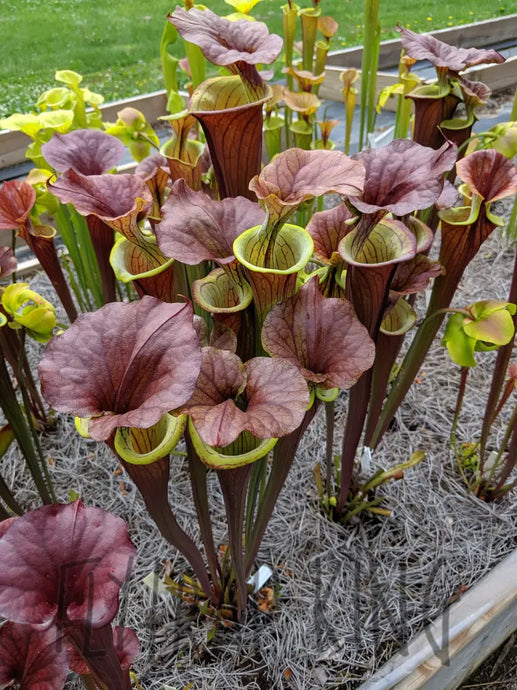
[
  {"x": 152, "y": 105},
  {"x": 476, "y": 34},
  {"x": 27, "y": 268},
  {"x": 453, "y": 646},
  {"x": 496, "y": 77},
  {"x": 14, "y": 144}
]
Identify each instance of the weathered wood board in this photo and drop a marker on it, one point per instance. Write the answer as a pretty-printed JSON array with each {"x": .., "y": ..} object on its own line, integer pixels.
[
  {"x": 452, "y": 647},
  {"x": 14, "y": 144}
]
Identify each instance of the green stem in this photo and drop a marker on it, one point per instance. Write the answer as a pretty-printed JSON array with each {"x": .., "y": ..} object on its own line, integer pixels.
[
  {"x": 372, "y": 76},
  {"x": 13, "y": 249},
  {"x": 20, "y": 426},
  {"x": 91, "y": 266},
  {"x": 504, "y": 444},
  {"x": 511, "y": 228},
  {"x": 196, "y": 63},
  {"x": 459, "y": 404},
  {"x": 384, "y": 476},
  {"x": 169, "y": 63},
  {"x": 511, "y": 457},
  {"x": 364, "y": 505},
  {"x": 10, "y": 343},
  {"x": 288, "y": 116},
  {"x": 369, "y": 68},
  {"x": 495, "y": 400},
  {"x": 513, "y": 115},
  {"x": 37, "y": 406},
  {"x": 402, "y": 117},
  {"x": 66, "y": 230},
  {"x": 329, "y": 416},
  {"x": 74, "y": 285},
  {"x": 255, "y": 489},
  {"x": 9, "y": 499},
  {"x": 26, "y": 402}
]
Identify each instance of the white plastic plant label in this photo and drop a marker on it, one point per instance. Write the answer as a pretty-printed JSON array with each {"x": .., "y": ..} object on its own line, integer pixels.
[
  {"x": 259, "y": 579},
  {"x": 366, "y": 461}
]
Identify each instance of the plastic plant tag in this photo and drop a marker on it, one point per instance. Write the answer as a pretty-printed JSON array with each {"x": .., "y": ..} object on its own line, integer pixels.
[
  {"x": 259, "y": 579},
  {"x": 366, "y": 461},
  {"x": 376, "y": 141},
  {"x": 156, "y": 586},
  {"x": 490, "y": 464}
]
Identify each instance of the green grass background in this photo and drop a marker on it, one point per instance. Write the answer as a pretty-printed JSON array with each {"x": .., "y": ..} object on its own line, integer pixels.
[{"x": 115, "y": 44}]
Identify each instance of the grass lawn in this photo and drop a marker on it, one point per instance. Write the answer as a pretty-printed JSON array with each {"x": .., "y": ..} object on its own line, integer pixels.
[{"x": 116, "y": 45}]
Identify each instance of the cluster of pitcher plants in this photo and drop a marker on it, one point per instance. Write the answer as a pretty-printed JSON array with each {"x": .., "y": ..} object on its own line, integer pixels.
[{"x": 234, "y": 307}]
